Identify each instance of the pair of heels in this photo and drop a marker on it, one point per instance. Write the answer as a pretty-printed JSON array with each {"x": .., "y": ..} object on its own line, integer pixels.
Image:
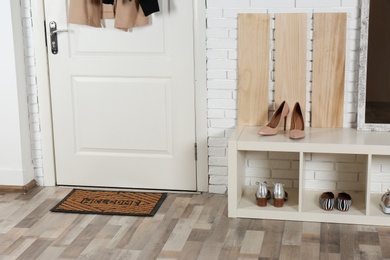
[
  {"x": 343, "y": 201},
  {"x": 263, "y": 194},
  {"x": 278, "y": 202},
  {"x": 297, "y": 126}
]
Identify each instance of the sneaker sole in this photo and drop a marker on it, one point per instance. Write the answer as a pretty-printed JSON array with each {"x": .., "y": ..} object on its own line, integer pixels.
[{"x": 385, "y": 209}]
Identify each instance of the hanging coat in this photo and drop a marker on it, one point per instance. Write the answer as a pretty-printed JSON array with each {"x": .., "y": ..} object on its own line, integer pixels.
[
  {"x": 127, "y": 14},
  {"x": 148, "y": 6}
]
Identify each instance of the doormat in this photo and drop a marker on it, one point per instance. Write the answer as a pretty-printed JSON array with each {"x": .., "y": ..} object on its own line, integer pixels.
[{"x": 110, "y": 203}]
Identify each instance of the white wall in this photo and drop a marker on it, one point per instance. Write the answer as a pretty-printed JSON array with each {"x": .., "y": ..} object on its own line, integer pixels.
[
  {"x": 222, "y": 98},
  {"x": 16, "y": 166}
]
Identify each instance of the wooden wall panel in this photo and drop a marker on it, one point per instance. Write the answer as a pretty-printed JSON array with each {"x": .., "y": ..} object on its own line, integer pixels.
[
  {"x": 290, "y": 59},
  {"x": 253, "y": 68},
  {"x": 328, "y": 69}
]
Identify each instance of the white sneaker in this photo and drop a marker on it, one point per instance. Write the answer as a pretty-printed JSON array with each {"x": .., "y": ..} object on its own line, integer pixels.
[{"x": 385, "y": 202}]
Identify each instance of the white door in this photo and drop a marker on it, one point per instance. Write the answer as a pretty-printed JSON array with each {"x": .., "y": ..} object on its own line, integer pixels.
[{"x": 123, "y": 102}]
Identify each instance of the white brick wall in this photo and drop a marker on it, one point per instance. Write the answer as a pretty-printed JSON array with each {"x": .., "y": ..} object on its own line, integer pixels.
[
  {"x": 341, "y": 172},
  {"x": 380, "y": 173},
  {"x": 272, "y": 167},
  {"x": 322, "y": 171},
  {"x": 32, "y": 91},
  {"x": 327, "y": 172}
]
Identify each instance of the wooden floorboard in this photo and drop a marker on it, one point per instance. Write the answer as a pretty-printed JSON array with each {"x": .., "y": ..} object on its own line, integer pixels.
[{"x": 185, "y": 227}]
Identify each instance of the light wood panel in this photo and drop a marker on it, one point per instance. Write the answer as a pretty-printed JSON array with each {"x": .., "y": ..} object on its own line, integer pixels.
[
  {"x": 328, "y": 69},
  {"x": 253, "y": 68},
  {"x": 290, "y": 60},
  {"x": 199, "y": 220}
]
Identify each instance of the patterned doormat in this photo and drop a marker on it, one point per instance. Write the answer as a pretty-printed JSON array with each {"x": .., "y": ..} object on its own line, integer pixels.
[{"x": 110, "y": 203}]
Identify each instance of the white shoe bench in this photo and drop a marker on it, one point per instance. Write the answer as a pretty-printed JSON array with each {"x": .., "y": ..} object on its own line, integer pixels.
[{"x": 303, "y": 204}]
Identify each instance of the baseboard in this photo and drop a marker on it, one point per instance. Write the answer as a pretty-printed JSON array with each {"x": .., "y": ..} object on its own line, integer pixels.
[{"x": 23, "y": 189}]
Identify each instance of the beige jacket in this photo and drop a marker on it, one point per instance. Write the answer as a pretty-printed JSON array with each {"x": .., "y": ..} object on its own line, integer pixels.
[{"x": 127, "y": 14}]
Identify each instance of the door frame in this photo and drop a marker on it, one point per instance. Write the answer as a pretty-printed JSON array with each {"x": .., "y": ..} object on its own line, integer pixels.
[{"x": 43, "y": 85}]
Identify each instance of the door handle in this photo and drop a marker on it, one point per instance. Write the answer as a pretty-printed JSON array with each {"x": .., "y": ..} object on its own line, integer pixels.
[
  {"x": 53, "y": 36},
  {"x": 57, "y": 31}
]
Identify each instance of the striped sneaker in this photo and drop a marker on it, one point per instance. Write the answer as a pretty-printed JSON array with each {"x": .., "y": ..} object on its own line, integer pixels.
[
  {"x": 327, "y": 200},
  {"x": 344, "y": 201}
]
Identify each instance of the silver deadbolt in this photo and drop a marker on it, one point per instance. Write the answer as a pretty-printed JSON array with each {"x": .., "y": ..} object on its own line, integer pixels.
[{"x": 53, "y": 36}]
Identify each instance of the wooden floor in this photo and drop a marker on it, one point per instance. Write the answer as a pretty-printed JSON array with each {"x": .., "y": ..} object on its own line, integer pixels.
[{"x": 185, "y": 227}]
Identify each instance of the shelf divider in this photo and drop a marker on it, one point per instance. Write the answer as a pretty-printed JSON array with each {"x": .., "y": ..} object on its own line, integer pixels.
[
  {"x": 301, "y": 179},
  {"x": 368, "y": 185}
]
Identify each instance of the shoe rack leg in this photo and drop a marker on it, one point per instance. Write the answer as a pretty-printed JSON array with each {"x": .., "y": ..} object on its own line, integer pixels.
[{"x": 236, "y": 172}]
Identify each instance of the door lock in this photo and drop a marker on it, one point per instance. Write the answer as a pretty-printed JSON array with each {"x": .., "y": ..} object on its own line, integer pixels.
[{"x": 53, "y": 36}]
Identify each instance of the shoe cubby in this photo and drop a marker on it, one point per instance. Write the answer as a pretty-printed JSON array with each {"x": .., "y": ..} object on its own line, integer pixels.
[
  {"x": 379, "y": 182},
  {"x": 326, "y": 160},
  {"x": 273, "y": 168},
  {"x": 336, "y": 173}
]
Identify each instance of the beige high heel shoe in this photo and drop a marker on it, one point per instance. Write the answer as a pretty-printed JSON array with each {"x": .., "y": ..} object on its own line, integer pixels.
[
  {"x": 273, "y": 125},
  {"x": 297, "y": 127}
]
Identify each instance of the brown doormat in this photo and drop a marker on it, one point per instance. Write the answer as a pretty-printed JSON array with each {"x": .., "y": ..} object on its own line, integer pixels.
[{"x": 110, "y": 202}]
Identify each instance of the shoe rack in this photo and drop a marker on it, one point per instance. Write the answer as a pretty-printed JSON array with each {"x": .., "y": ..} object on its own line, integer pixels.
[{"x": 303, "y": 203}]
